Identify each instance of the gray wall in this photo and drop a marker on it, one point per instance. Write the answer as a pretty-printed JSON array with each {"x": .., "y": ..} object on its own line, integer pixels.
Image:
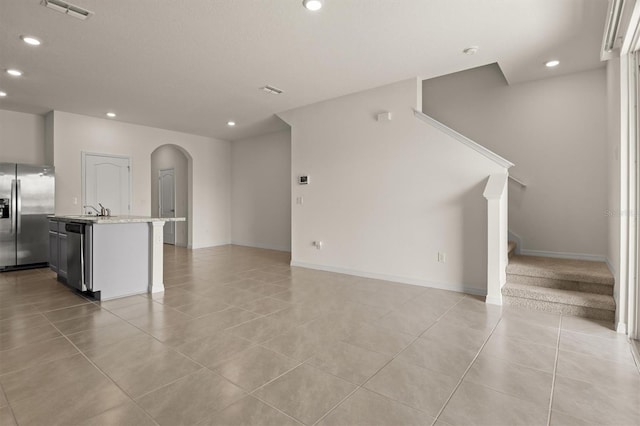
[
  {"x": 21, "y": 138},
  {"x": 555, "y": 131},
  {"x": 385, "y": 197},
  {"x": 261, "y": 191}
]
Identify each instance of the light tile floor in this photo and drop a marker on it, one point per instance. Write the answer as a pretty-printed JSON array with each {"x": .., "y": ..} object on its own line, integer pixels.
[{"x": 240, "y": 338}]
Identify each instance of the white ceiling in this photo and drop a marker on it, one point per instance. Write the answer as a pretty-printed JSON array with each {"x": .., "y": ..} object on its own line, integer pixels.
[{"x": 192, "y": 65}]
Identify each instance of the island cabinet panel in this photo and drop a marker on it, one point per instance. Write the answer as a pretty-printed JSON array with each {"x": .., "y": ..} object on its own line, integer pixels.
[
  {"x": 58, "y": 249},
  {"x": 62, "y": 256},
  {"x": 120, "y": 259},
  {"x": 53, "y": 250}
]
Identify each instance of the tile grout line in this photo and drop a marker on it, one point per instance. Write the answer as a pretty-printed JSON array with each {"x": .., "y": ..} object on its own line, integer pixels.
[
  {"x": 337, "y": 405},
  {"x": 249, "y": 395},
  {"x": 105, "y": 375},
  {"x": 467, "y": 371},
  {"x": 555, "y": 370},
  {"x": 362, "y": 386},
  {"x": 358, "y": 386},
  {"x": 34, "y": 343},
  {"x": 253, "y": 395},
  {"x": 412, "y": 342},
  {"x": 13, "y": 415},
  {"x": 202, "y": 366}
]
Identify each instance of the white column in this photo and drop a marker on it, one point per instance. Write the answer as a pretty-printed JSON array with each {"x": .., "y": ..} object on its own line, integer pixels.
[
  {"x": 156, "y": 281},
  {"x": 497, "y": 234}
]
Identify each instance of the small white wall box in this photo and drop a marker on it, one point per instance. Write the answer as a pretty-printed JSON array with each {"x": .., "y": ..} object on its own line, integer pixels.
[
  {"x": 303, "y": 180},
  {"x": 384, "y": 116}
]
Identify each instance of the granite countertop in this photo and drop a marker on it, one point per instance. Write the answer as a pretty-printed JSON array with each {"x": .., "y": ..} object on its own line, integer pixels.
[{"x": 113, "y": 219}]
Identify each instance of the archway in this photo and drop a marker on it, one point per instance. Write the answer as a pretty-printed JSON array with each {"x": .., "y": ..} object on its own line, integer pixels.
[{"x": 174, "y": 160}]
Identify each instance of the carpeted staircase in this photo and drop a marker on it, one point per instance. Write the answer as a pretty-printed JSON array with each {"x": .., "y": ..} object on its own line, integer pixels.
[{"x": 570, "y": 287}]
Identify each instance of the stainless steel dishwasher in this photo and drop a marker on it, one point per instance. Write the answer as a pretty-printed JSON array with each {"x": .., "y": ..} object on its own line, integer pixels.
[
  {"x": 75, "y": 255},
  {"x": 79, "y": 257}
]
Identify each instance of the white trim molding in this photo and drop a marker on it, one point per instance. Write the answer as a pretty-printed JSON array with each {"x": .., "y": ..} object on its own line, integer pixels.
[
  {"x": 394, "y": 278},
  {"x": 213, "y": 244},
  {"x": 564, "y": 255},
  {"x": 611, "y": 267},
  {"x": 497, "y": 194},
  {"x": 518, "y": 181},
  {"x": 156, "y": 251},
  {"x": 631, "y": 37},
  {"x": 512, "y": 236},
  {"x": 463, "y": 139},
  {"x": 261, "y": 246}
]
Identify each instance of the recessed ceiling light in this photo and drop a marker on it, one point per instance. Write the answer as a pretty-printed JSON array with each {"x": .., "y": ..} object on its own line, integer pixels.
[
  {"x": 231, "y": 123},
  {"x": 111, "y": 114},
  {"x": 14, "y": 72},
  {"x": 312, "y": 4},
  {"x": 31, "y": 40},
  {"x": 471, "y": 50},
  {"x": 2, "y": 94},
  {"x": 551, "y": 64}
]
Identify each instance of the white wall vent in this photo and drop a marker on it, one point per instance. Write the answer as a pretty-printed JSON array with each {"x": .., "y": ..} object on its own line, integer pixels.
[
  {"x": 68, "y": 9},
  {"x": 271, "y": 90}
]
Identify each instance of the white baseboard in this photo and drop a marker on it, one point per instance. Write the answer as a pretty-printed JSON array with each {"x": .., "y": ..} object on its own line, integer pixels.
[
  {"x": 621, "y": 328},
  {"x": 512, "y": 236},
  {"x": 494, "y": 300},
  {"x": 564, "y": 255},
  {"x": 262, "y": 246},
  {"x": 213, "y": 244},
  {"x": 635, "y": 351},
  {"x": 405, "y": 280},
  {"x": 612, "y": 268}
]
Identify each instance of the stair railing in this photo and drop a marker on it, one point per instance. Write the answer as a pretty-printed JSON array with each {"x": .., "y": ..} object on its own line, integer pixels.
[{"x": 496, "y": 194}]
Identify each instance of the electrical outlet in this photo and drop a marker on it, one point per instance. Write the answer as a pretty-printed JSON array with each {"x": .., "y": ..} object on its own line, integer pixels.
[
  {"x": 318, "y": 244},
  {"x": 442, "y": 257},
  {"x": 75, "y": 201},
  {"x": 299, "y": 200}
]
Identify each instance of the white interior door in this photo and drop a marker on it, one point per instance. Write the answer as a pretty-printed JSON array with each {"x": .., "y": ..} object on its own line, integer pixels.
[
  {"x": 167, "y": 201},
  {"x": 107, "y": 180}
]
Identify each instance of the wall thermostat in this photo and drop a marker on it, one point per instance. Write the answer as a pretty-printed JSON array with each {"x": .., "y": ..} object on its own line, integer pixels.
[{"x": 303, "y": 180}]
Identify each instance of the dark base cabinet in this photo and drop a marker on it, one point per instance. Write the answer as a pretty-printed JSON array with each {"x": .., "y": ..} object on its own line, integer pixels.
[{"x": 58, "y": 249}]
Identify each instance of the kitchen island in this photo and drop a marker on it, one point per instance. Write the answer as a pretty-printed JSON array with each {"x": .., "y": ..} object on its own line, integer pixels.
[{"x": 108, "y": 256}]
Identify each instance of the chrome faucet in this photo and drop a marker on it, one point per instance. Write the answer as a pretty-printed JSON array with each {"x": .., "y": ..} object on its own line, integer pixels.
[
  {"x": 104, "y": 211},
  {"x": 89, "y": 205}
]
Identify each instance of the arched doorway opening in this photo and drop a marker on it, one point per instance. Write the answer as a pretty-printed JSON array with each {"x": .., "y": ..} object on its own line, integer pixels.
[{"x": 171, "y": 191}]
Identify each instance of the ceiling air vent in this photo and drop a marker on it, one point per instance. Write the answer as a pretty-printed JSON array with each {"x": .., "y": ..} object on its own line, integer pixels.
[
  {"x": 271, "y": 90},
  {"x": 68, "y": 9}
]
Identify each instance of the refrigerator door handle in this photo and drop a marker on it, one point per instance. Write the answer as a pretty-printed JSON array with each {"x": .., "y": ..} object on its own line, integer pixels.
[
  {"x": 13, "y": 209},
  {"x": 19, "y": 207}
]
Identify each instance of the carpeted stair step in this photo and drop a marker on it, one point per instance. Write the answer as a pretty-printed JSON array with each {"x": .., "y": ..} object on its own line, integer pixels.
[
  {"x": 561, "y": 284},
  {"x": 583, "y": 271},
  {"x": 590, "y": 305}
]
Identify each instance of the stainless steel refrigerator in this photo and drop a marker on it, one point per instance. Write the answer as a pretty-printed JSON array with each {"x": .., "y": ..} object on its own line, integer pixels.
[{"x": 26, "y": 199}]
